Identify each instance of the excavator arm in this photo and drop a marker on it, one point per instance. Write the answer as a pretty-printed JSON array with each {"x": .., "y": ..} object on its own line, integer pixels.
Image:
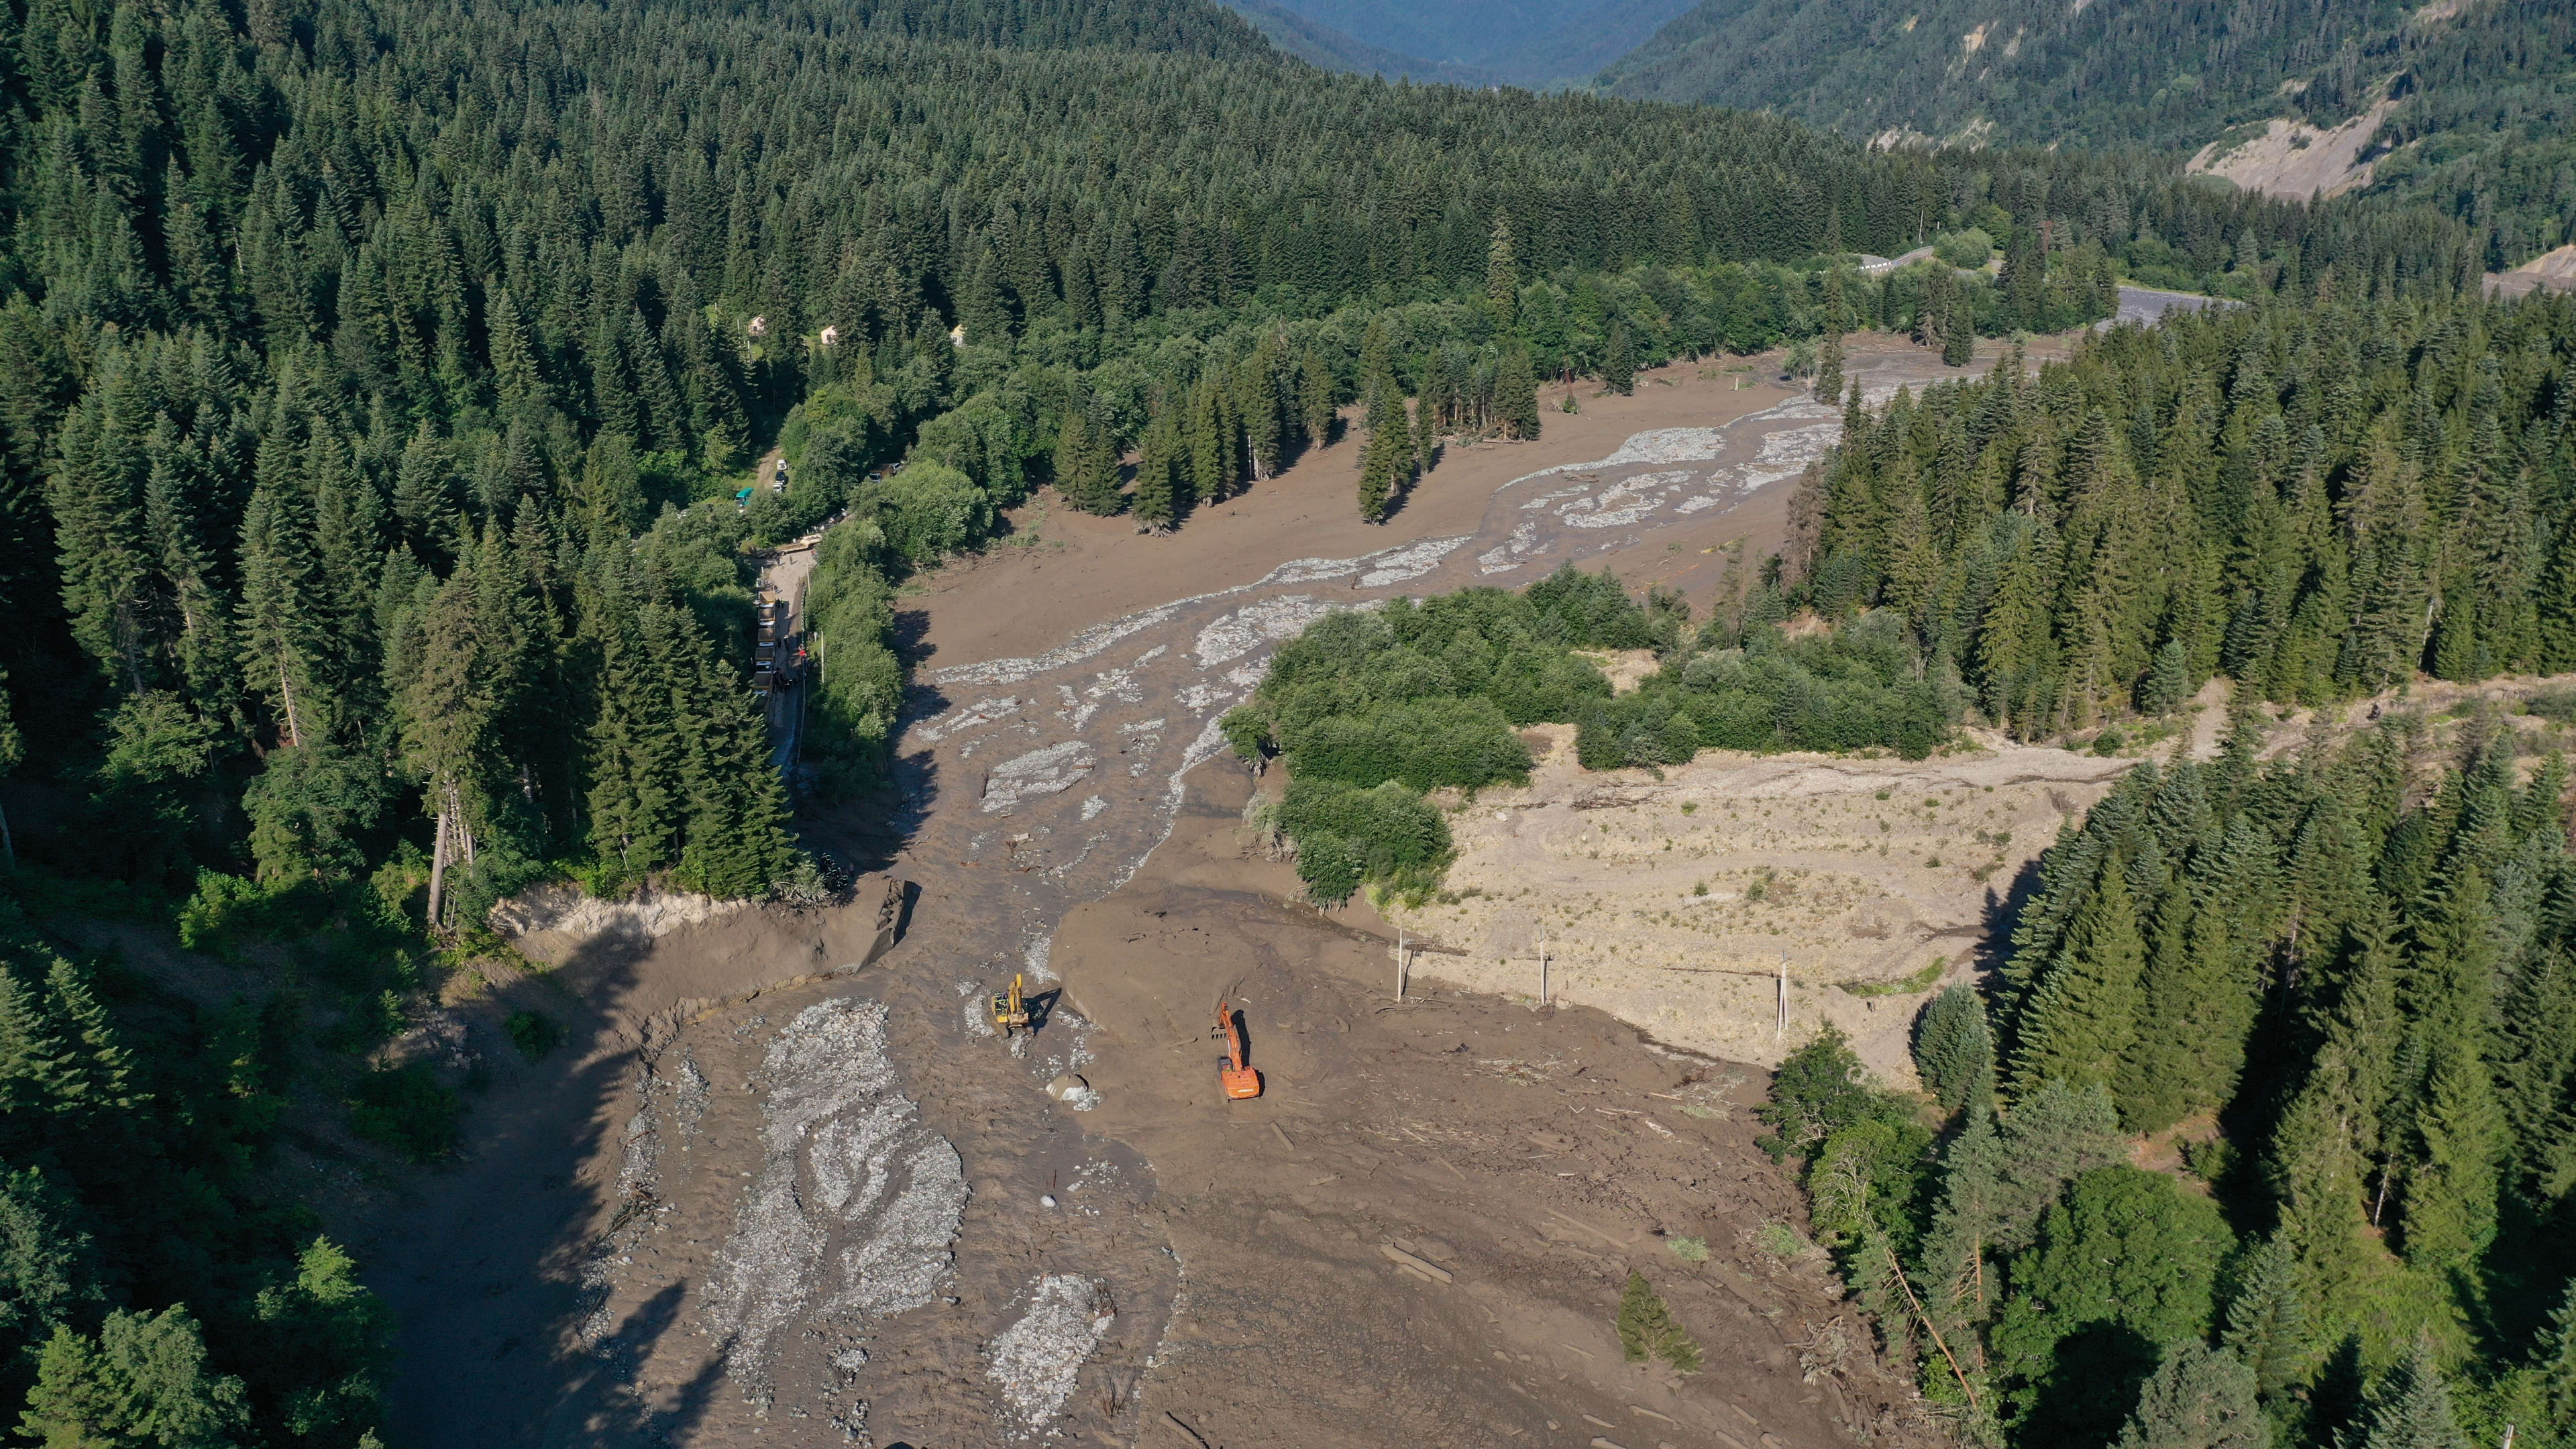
[{"x": 1233, "y": 1073}]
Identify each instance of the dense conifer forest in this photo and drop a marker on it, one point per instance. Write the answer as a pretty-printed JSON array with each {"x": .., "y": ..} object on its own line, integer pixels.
[
  {"x": 2338, "y": 979},
  {"x": 377, "y": 382}
]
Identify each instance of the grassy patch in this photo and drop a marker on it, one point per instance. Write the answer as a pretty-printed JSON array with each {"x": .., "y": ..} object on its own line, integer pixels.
[
  {"x": 1920, "y": 981},
  {"x": 1779, "y": 1240},
  {"x": 2556, "y": 705}
]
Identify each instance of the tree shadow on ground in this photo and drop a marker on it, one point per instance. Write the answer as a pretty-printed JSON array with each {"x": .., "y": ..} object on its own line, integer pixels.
[{"x": 483, "y": 1266}]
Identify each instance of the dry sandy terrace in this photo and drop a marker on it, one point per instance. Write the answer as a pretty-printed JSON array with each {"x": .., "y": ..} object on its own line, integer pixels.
[{"x": 1671, "y": 904}]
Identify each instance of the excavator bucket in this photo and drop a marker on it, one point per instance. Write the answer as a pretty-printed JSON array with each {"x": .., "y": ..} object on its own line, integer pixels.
[{"x": 1240, "y": 1081}]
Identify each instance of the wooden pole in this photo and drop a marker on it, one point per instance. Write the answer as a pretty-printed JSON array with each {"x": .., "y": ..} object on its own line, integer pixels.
[
  {"x": 1781, "y": 1029},
  {"x": 1399, "y": 963},
  {"x": 1542, "y": 971}
]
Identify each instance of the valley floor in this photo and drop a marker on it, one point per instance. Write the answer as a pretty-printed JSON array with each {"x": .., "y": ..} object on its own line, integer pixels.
[{"x": 762, "y": 1197}]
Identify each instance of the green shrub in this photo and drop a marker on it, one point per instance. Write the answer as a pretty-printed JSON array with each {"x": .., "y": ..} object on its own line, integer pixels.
[
  {"x": 1953, "y": 1048},
  {"x": 1969, "y": 248},
  {"x": 1425, "y": 744},
  {"x": 1857, "y": 687},
  {"x": 859, "y": 689},
  {"x": 1383, "y": 705},
  {"x": 1349, "y": 837},
  {"x": 405, "y": 1109},
  {"x": 534, "y": 1033},
  {"x": 1819, "y": 1090},
  {"x": 928, "y": 510}
]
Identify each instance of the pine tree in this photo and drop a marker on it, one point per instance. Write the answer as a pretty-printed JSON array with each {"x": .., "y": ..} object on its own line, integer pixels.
[
  {"x": 1953, "y": 1050},
  {"x": 285, "y": 621},
  {"x": 2556, "y": 1366},
  {"x": 2194, "y": 1014},
  {"x": 101, "y": 1077},
  {"x": 2169, "y": 684},
  {"x": 143, "y": 1381},
  {"x": 2451, "y": 1198},
  {"x": 2085, "y": 1014},
  {"x": 1315, "y": 387},
  {"x": 1648, "y": 1330},
  {"x": 1382, "y": 460},
  {"x": 1958, "y": 329},
  {"x": 1158, "y": 493},
  {"x": 2053, "y": 1136},
  {"x": 37, "y": 1067},
  {"x": 449, "y": 719},
  {"x": 1829, "y": 366},
  {"x": 1975, "y": 1197},
  {"x": 2198, "y": 1398},
  {"x": 1502, "y": 273},
  {"x": 50, "y": 1264},
  {"x": 2267, "y": 1324},
  {"x": 1516, "y": 393},
  {"x": 2411, "y": 1407},
  {"x": 1086, "y": 466},
  {"x": 1619, "y": 362},
  {"x": 1208, "y": 444}
]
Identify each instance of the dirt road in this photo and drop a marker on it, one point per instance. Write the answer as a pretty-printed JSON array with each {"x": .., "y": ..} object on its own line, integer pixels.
[{"x": 819, "y": 1214}]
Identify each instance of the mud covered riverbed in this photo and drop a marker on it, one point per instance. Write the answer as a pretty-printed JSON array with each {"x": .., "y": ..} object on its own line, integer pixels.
[{"x": 764, "y": 1202}]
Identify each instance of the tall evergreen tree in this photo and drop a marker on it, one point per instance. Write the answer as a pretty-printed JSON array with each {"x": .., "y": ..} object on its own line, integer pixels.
[
  {"x": 1516, "y": 393},
  {"x": 2084, "y": 1015},
  {"x": 2198, "y": 1398},
  {"x": 1502, "y": 272},
  {"x": 1619, "y": 362}
]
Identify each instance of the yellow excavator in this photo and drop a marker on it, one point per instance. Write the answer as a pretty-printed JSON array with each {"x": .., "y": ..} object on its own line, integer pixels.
[{"x": 1011, "y": 1009}]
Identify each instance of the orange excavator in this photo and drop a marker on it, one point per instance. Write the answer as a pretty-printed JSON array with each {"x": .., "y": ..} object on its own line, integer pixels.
[{"x": 1240, "y": 1082}]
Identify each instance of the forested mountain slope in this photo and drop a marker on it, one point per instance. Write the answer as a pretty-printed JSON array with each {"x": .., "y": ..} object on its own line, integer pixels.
[
  {"x": 2482, "y": 89},
  {"x": 1184, "y": 27}
]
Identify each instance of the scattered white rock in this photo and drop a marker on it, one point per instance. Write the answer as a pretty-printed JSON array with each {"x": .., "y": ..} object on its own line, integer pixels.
[
  {"x": 1047, "y": 771},
  {"x": 845, "y": 1163},
  {"x": 1036, "y": 1360}
]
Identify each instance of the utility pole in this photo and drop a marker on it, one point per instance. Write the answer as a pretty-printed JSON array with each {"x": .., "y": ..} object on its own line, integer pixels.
[
  {"x": 1399, "y": 963},
  {"x": 1781, "y": 1030},
  {"x": 1542, "y": 971}
]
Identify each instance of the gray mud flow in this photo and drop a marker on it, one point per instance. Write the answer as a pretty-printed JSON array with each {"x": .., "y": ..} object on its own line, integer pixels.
[{"x": 774, "y": 1204}]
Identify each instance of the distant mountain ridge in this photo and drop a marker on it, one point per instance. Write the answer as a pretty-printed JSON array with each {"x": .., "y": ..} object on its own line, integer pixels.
[
  {"x": 2478, "y": 97},
  {"x": 1518, "y": 42},
  {"x": 1318, "y": 44},
  {"x": 2099, "y": 73}
]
